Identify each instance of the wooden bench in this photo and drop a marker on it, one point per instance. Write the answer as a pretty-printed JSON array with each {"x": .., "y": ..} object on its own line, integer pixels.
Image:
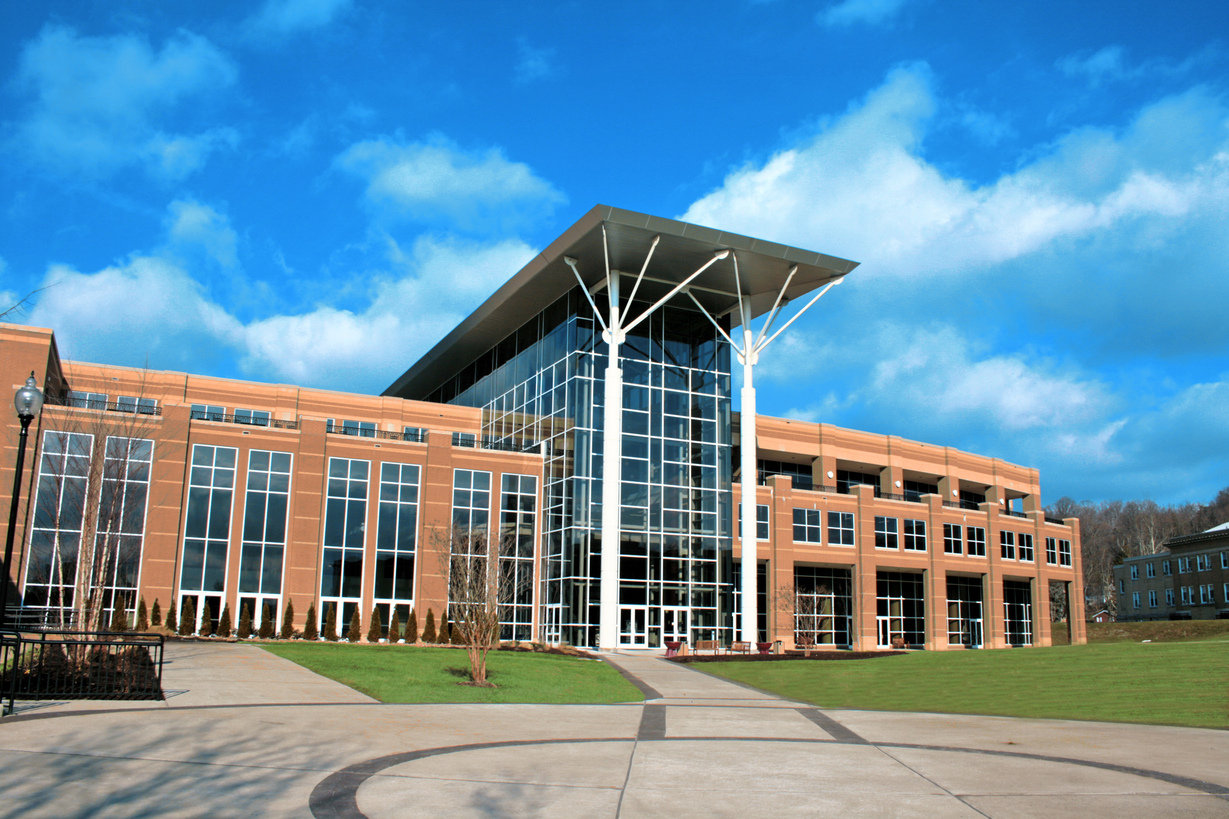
[
  {"x": 740, "y": 648},
  {"x": 711, "y": 646}
]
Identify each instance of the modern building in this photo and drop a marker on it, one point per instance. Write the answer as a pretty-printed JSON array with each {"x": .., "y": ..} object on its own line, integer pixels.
[
  {"x": 1187, "y": 580},
  {"x": 587, "y": 402}
]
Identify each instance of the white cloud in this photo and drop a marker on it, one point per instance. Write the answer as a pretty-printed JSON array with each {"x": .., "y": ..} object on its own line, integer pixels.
[
  {"x": 191, "y": 224},
  {"x": 854, "y": 12},
  {"x": 533, "y": 63},
  {"x": 98, "y": 103},
  {"x": 437, "y": 181},
  {"x": 1106, "y": 64},
  {"x": 280, "y": 18}
]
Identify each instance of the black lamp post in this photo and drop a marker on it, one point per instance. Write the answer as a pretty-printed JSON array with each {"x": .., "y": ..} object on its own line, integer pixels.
[{"x": 28, "y": 401}]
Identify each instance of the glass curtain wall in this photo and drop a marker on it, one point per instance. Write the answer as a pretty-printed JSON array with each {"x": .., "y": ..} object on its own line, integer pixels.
[{"x": 542, "y": 387}]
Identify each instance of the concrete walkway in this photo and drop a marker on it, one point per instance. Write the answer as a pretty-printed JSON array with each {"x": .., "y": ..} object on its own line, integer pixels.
[{"x": 247, "y": 733}]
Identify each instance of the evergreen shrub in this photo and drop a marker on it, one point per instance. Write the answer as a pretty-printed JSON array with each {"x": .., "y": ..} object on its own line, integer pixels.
[
  {"x": 330, "y": 622},
  {"x": 267, "y": 629},
  {"x": 206, "y": 620},
  {"x": 428, "y": 632},
  {"x": 155, "y": 614},
  {"x": 394, "y": 627},
  {"x": 375, "y": 630},
  {"x": 142, "y": 615},
  {"x": 245, "y": 621},
  {"x": 310, "y": 631},
  {"x": 171, "y": 625},
  {"x": 355, "y": 632},
  {"x": 288, "y": 621},
  {"x": 224, "y": 624},
  {"x": 187, "y": 618}
]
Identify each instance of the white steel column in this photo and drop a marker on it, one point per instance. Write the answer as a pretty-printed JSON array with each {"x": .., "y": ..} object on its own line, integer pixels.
[
  {"x": 612, "y": 475},
  {"x": 747, "y": 451}
]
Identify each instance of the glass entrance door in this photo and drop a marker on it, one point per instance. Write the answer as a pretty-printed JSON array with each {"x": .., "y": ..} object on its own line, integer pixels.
[
  {"x": 551, "y": 633},
  {"x": 674, "y": 624},
  {"x": 634, "y": 626}
]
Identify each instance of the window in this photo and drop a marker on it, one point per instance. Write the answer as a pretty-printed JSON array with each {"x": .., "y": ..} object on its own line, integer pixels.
[
  {"x": 1025, "y": 543},
  {"x": 886, "y": 533},
  {"x": 256, "y": 417},
  {"x": 823, "y": 605},
  {"x": 1150, "y": 569},
  {"x": 1064, "y": 552},
  {"x": 132, "y": 403},
  {"x": 840, "y": 529},
  {"x": 1184, "y": 565},
  {"x": 1169, "y": 597},
  {"x": 808, "y": 525},
  {"x": 208, "y": 412},
  {"x": 951, "y": 539},
  {"x": 915, "y": 535},
  {"x": 1017, "y": 613},
  {"x": 1134, "y": 600},
  {"x": 345, "y": 520},
  {"x": 914, "y": 490},
  {"x": 1165, "y": 568},
  {"x": 847, "y": 479},
  {"x": 1226, "y": 591},
  {"x": 1135, "y": 571},
  {"x": 1207, "y": 594},
  {"x": 761, "y": 521},
  {"x": 87, "y": 400},
  {"x": 1224, "y": 560},
  {"x": 466, "y": 439},
  {"x": 900, "y": 609},
  {"x": 396, "y": 540},
  {"x": 1122, "y": 587},
  {"x": 359, "y": 429},
  {"x": 1152, "y": 598},
  {"x": 414, "y": 434},
  {"x": 211, "y": 490},
  {"x": 265, "y": 510},
  {"x": 975, "y": 536},
  {"x": 1007, "y": 545},
  {"x": 517, "y": 519},
  {"x": 1203, "y": 562},
  {"x": 1051, "y": 551},
  {"x": 1185, "y": 596}
]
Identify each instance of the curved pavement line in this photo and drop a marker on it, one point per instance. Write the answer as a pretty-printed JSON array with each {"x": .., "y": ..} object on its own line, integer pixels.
[{"x": 336, "y": 796}]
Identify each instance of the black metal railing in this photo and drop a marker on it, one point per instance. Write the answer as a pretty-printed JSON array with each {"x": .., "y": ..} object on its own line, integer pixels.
[
  {"x": 412, "y": 435},
  {"x": 80, "y": 665},
  {"x": 1052, "y": 519},
  {"x": 1015, "y": 514},
  {"x": 110, "y": 406},
  {"x": 244, "y": 420}
]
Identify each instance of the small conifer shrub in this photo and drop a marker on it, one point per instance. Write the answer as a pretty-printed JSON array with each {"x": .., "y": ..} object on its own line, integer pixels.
[
  {"x": 187, "y": 618},
  {"x": 428, "y": 632},
  {"x": 266, "y": 623},
  {"x": 155, "y": 614},
  {"x": 142, "y": 616},
  {"x": 355, "y": 632},
  {"x": 310, "y": 629},
  {"x": 375, "y": 629},
  {"x": 330, "y": 622},
  {"x": 119, "y": 619},
  {"x": 224, "y": 624},
  {"x": 444, "y": 635},
  {"x": 245, "y": 621},
  {"x": 394, "y": 627},
  {"x": 206, "y": 620},
  {"x": 288, "y": 621},
  {"x": 411, "y": 628},
  {"x": 171, "y": 625}
]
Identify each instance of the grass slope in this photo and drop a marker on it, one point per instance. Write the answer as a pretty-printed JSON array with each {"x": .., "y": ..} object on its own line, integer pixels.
[
  {"x": 1158, "y": 631},
  {"x": 420, "y": 674},
  {"x": 1157, "y": 683}
]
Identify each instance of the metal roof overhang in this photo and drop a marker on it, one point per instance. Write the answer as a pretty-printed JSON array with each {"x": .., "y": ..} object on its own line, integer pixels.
[{"x": 763, "y": 268}]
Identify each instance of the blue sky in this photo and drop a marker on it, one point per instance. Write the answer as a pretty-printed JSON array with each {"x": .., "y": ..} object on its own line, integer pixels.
[{"x": 315, "y": 191}]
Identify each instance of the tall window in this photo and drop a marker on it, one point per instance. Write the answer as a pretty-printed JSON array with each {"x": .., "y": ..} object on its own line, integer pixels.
[
  {"x": 1064, "y": 555},
  {"x": 886, "y": 535},
  {"x": 121, "y": 522},
  {"x": 211, "y": 490},
  {"x": 1152, "y": 598},
  {"x": 1018, "y": 613},
  {"x": 1052, "y": 551},
  {"x": 823, "y": 606},
  {"x": 517, "y": 519},
  {"x": 345, "y": 517},
  {"x": 1007, "y": 545},
  {"x": 396, "y": 541},
  {"x": 952, "y": 543},
  {"x": 1024, "y": 543},
  {"x": 901, "y": 609},
  {"x": 840, "y": 529},
  {"x": 915, "y": 535},
  {"x": 59, "y": 507},
  {"x": 808, "y": 526},
  {"x": 1150, "y": 569},
  {"x": 975, "y": 536},
  {"x": 265, "y": 508}
]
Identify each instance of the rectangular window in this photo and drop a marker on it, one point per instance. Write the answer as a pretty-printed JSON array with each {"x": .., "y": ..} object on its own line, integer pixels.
[
  {"x": 517, "y": 524},
  {"x": 886, "y": 533},
  {"x": 359, "y": 429},
  {"x": 1165, "y": 568},
  {"x": 1152, "y": 598},
  {"x": 1134, "y": 600},
  {"x": 823, "y": 606},
  {"x": 1052, "y": 551},
  {"x": 1007, "y": 545},
  {"x": 840, "y": 529},
  {"x": 1150, "y": 569},
  {"x": 1135, "y": 571},
  {"x": 265, "y": 512},
  {"x": 396, "y": 540},
  {"x": 1226, "y": 591},
  {"x": 208, "y": 412},
  {"x": 133, "y": 403},
  {"x": 345, "y": 523},
  {"x": 120, "y": 530},
  {"x": 1169, "y": 597},
  {"x": 900, "y": 609},
  {"x": 87, "y": 400},
  {"x": 254, "y": 417},
  {"x": 1017, "y": 613},
  {"x": 975, "y": 537},
  {"x": 915, "y": 535},
  {"x": 808, "y": 526},
  {"x": 761, "y": 520},
  {"x": 1064, "y": 552},
  {"x": 1224, "y": 560},
  {"x": 211, "y": 489},
  {"x": 952, "y": 543},
  {"x": 1207, "y": 594},
  {"x": 1185, "y": 598},
  {"x": 1024, "y": 543},
  {"x": 414, "y": 434},
  {"x": 59, "y": 508}
]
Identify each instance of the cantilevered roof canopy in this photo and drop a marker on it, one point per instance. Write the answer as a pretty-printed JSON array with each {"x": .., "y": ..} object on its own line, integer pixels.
[{"x": 762, "y": 267}]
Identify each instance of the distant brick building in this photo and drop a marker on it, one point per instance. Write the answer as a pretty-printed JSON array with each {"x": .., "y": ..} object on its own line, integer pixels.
[{"x": 1189, "y": 580}]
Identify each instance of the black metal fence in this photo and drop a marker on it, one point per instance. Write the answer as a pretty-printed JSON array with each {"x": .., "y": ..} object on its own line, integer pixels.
[{"x": 53, "y": 665}]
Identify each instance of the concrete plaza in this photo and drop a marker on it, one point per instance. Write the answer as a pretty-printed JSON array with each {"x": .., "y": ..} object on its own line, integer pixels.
[{"x": 244, "y": 733}]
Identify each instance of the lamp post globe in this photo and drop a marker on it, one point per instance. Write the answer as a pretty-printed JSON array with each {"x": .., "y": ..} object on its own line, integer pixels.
[{"x": 28, "y": 402}]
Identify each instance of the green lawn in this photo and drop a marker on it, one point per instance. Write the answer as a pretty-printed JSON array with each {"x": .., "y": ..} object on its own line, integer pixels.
[
  {"x": 419, "y": 674},
  {"x": 1158, "y": 631},
  {"x": 1158, "y": 683}
]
